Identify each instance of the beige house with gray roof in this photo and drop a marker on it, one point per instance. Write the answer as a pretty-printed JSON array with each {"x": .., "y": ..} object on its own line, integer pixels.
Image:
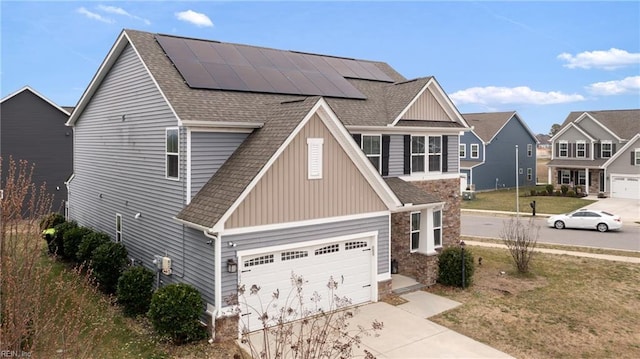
[{"x": 244, "y": 165}]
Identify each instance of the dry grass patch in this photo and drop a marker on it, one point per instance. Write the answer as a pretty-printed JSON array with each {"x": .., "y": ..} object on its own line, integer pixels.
[{"x": 568, "y": 307}]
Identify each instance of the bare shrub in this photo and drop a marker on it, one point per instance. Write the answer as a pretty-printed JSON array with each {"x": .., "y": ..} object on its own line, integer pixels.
[
  {"x": 45, "y": 310},
  {"x": 521, "y": 240},
  {"x": 301, "y": 329}
]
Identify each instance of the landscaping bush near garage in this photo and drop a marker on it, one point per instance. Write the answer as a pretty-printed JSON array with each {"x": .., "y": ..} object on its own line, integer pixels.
[
  {"x": 134, "y": 291},
  {"x": 450, "y": 267},
  {"x": 175, "y": 312}
]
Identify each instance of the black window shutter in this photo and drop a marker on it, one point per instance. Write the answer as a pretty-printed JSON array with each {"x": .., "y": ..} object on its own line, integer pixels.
[
  {"x": 613, "y": 149},
  {"x": 572, "y": 150},
  {"x": 633, "y": 158},
  {"x": 586, "y": 150},
  {"x": 597, "y": 151},
  {"x": 386, "y": 139},
  {"x": 445, "y": 153},
  {"x": 557, "y": 149},
  {"x": 559, "y": 177},
  {"x": 358, "y": 138},
  {"x": 407, "y": 154}
]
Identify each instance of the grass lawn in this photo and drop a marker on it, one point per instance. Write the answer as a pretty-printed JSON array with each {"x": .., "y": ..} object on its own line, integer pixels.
[
  {"x": 505, "y": 200},
  {"x": 568, "y": 307}
]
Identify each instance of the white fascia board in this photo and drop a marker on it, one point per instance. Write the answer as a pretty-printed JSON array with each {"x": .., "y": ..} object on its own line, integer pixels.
[
  {"x": 618, "y": 153},
  {"x": 406, "y": 130},
  {"x": 222, "y": 126},
  {"x": 586, "y": 114},
  {"x": 192, "y": 225},
  {"x": 28, "y": 88},
  {"x": 418, "y": 207}
]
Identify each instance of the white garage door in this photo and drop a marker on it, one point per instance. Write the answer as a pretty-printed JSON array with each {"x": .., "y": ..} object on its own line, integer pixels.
[
  {"x": 625, "y": 186},
  {"x": 349, "y": 263}
]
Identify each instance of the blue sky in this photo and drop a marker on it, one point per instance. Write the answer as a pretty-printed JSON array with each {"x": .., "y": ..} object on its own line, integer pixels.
[{"x": 541, "y": 59}]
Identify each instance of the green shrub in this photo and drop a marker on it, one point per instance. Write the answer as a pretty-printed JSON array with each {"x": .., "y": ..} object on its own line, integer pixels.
[
  {"x": 175, "y": 310},
  {"x": 108, "y": 261},
  {"x": 558, "y": 192},
  {"x": 56, "y": 245},
  {"x": 571, "y": 193},
  {"x": 564, "y": 188},
  {"x": 89, "y": 243},
  {"x": 450, "y": 267},
  {"x": 543, "y": 193},
  {"x": 549, "y": 189},
  {"x": 71, "y": 239},
  {"x": 533, "y": 192},
  {"x": 135, "y": 288},
  {"x": 51, "y": 220}
]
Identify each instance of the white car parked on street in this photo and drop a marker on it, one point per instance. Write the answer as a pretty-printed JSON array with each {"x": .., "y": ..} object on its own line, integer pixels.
[{"x": 587, "y": 219}]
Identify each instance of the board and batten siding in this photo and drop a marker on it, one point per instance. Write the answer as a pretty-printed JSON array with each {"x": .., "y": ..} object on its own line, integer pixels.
[
  {"x": 119, "y": 167},
  {"x": 209, "y": 150},
  {"x": 301, "y": 234},
  {"x": 285, "y": 194},
  {"x": 427, "y": 108}
]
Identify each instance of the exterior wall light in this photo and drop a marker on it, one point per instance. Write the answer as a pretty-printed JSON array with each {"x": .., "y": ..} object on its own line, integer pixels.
[{"x": 232, "y": 266}]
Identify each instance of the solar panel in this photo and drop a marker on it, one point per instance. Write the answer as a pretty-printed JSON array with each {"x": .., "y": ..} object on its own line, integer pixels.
[{"x": 220, "y": 66}]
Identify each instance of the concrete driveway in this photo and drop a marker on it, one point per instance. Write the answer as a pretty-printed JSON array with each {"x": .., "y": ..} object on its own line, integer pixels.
[
  {"x": 628, "y": 209},
  {"x": 408, "y": 334}
]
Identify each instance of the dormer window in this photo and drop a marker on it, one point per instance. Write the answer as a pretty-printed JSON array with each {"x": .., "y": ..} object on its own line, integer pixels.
[{"x": 605, "y": 149}]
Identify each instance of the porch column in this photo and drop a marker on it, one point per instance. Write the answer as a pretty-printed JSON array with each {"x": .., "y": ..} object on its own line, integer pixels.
[
  {"x": 549, "y": 178},
  {"x": 586, "y": 180}
]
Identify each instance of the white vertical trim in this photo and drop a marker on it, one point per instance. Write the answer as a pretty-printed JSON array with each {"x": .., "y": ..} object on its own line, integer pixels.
[
  {"x": 119, "y": 230},
  {"x": 166, "y": 153},
  {"x": 188, "y": 194}
]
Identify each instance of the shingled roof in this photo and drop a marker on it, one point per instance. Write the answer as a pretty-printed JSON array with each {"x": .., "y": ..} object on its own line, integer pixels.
[
  {"x": 408, "y": 193},
  {"x": 624, "y": 123},
  {"x": 487, "y": 124},
  {"x": 228, "y": 183}
]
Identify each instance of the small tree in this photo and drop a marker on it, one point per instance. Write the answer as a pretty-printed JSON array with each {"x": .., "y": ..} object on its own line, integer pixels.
[
  {"x": 521, "y": 240},
  {"x": 293, "y": 327},
  {"x": 135, "y": 288}
]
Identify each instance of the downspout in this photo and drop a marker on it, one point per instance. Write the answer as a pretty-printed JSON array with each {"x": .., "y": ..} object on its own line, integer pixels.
[{"x": 217, "y": 296}]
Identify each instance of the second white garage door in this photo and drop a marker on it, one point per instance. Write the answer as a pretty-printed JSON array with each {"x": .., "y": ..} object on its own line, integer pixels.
[
  {"x": 349, "y": 262},
  {"x": 625, "y": 186}
]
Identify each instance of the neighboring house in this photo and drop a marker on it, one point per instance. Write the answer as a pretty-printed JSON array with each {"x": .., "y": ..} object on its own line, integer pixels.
[
  {"x": 33, "y": 129},
  {"x": 598, "y": 151},
  {"x": 244, "y": 164},
  {"x": 488, "y": 153},
  {"x": 543, "y": 150}
]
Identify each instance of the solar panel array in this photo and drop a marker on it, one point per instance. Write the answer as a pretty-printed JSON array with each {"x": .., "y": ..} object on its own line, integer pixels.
[{"x": 213, "y": 65}]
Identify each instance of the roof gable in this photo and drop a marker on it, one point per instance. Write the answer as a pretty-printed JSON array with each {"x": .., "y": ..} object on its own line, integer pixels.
[
  {"x": 37, "y": 94},
  {"x": 623, "y": 124},
  {"x": 635, "y": 141},
  {"x": 487, "y": 125},
  {"x": 558, "y": 135}
]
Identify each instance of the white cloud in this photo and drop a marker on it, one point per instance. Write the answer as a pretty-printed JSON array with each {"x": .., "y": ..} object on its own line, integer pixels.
[
  {"x": 121, "y": 11},
  {"x": 491, "y": 95},
  {"x": 196, "y": 18},
  {"x": 619, "y": 87},
  {"x": 608, "y": 60},
  {"x": 93, "y": 15}
]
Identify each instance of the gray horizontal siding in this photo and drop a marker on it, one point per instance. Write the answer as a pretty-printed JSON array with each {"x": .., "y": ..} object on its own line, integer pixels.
[
  {"x": 209, "y": 150},
  {"x": 125, "y": 162},
  {"x": 453, "y": 154},
  {"x": 305, "y": 233},
  {"x": 396, "y": 155}
]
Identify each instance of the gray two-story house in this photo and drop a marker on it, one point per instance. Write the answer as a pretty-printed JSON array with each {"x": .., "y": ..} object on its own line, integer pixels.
[
  {"x": 244, "y": 164},
  {"x": 33, "y": 129},
  {"x": 598, "y": 151},
  {"x": 488, "y": 153}
]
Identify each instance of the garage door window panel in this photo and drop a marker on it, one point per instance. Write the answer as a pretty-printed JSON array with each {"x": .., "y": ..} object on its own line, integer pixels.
[
  {"x": 328, "y": 249},
  {"x": 354, "y": 245},
  {"x": 287, "y": 256},
  {"x": 259, "y": 261}
]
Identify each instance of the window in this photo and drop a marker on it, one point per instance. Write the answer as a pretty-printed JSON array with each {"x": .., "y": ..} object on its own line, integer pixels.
[
  {"x": 582, "y": 179},
  {"x": 435, "y": 153},
  {"x": 355, "y": 245},
  {"x": 437, "y": 228},
  {"x": 287, "y": 256},
  {"x": 415, "y": 231},
  {"x": 371, "y": 145},
  {"x": 475, "y": 150},
  {"x": 173, "y": 158},
  {"x": 417, "y": 154},
  {"x": 636, "y": 157},
  {"x": 565, "y": 177},
  {"x": 529, "y": 174},
  {"x": 563, "y": 149},
  {"x": 605, "y": 149},
  {"x": 118, "y": 228},
  {"x": 529, "y": 150},
  {"x": 314, "y": 160},
  {"x": 581, "y": 149},
  {"x": 463, "y": 150}
]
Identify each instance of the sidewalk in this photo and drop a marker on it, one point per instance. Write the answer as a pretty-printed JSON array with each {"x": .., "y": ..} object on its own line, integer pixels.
[{"x": 563, "y": 252}]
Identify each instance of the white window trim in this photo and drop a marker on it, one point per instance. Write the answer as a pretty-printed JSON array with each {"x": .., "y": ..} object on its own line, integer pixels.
[
  {"x": 637, "y": 156},
  {"x": 477, "y": 150},
  {"x": 584, "y": 150},
  {"x": 416, "y": 154},
  {"x": 412, "y": 231},
  {"x": 529, "y": 174},
  {"x": 462, "y": 151},
  {"x": 314, "y": 158},
  {"x": 437, "y": 227},
  {"x": 379, "y": 155},
  {"x": 610, "y": 143},
  {"x": 566, "y": 149},
  {"x": 529, "y": 150},
  {"x": 429, "y": 154},
  {"x": 167, "y": 153},
  {"x": 562, "y": 173},
  {"x": 118, "y": 230},
  {"x": 582, "y": 176}
]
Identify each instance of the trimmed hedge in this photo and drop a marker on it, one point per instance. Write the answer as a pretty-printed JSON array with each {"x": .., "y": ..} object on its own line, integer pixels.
[
  {"x": 71, "y": 239},
  {"x": 89, "y": 243},
  {"x": 450, "y": 267},
  {"x": 135, "y": 289},
  {"x": 175, "y": 311},
  {"x": 56, "y": 244},
  {"x": 108, "y": 261}
]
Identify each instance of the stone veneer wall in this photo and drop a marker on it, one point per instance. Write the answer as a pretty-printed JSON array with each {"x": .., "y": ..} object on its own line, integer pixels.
[
  {"x": 424, "y": 268},
  {"x": 594, "y": 176},
  {"x": 227, "y": 328},
  {"x": 384, "y": 289}
]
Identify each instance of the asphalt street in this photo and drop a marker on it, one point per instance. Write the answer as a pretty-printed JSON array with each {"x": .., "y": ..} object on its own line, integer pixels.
[{"x": 490, "y": 227}]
